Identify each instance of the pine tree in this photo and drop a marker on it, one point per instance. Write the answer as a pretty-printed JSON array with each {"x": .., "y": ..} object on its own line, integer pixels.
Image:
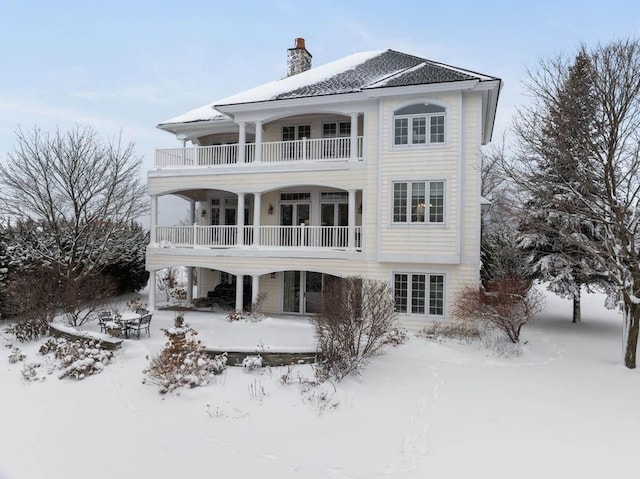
[
  {"x": 597, "y": 204},
  {"x": 567, "y": 136}
]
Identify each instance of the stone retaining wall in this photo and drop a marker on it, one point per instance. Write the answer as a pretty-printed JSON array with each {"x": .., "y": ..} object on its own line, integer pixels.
[
  {"x": 269, "y": 358},
  {"x": 106, "y": 342}
]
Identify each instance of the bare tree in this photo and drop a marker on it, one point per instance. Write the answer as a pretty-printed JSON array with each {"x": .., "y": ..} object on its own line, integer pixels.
[
  {"x": 356, "y": 316},
  {"x": 596, "y": 197},
  {"x": 78, "y": 188}
]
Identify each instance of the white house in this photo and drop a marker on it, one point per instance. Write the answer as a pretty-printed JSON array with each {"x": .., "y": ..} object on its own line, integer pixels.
[{"x": 367, "y": 166}]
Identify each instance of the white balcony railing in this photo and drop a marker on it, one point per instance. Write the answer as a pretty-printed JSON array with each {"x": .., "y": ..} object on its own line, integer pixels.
[
  {"x": 272, "y": 152},
  {"x": 329, "y": 237}
]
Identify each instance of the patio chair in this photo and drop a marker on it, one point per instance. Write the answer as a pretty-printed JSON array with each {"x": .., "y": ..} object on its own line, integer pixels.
[
  {"x": 142, "y": 324},
  {"x": 103, "y": 318}
]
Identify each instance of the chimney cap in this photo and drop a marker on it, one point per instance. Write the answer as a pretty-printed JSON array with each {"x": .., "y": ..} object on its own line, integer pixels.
[{"x": 299, "y": 43}]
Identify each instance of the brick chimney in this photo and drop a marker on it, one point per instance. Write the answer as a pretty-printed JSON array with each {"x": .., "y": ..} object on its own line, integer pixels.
[{"x": 299, "y": 59}]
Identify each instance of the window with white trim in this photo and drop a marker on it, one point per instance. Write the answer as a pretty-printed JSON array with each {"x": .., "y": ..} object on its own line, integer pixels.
[
  {"x": 419, "y": 293},
  {"x": 418, "y": 202},
  {"x": 421, "y": 124},
  {"x": 336, "y": 129}
]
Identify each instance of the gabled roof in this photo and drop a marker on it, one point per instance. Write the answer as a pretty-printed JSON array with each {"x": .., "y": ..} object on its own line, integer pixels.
[{"x": 355, "y": 73}]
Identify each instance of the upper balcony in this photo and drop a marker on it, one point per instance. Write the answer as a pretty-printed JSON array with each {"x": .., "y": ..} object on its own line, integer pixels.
[{"x": 303, "y": 150}]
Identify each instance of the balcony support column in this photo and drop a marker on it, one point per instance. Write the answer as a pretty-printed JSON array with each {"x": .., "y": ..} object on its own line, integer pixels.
[
  {"x": 239, "y": 291},
  {"x": 192, "y": 212},
  {"x": 256, "y": 218},
  {"x": 255, "y": 282},
  {"x": 240, "y": 222},
  {"x": 242, "y": 141},
  {"x": 192, "y": 221},
  {"x": 351, "y": 231},
  {"x": 258, "y": 153},
  {"x": 190, "y": 285},
  {"x": 354, "y": 136},
  {"x": 152, "y": 291},
  {"x": 154, "y": 218}
]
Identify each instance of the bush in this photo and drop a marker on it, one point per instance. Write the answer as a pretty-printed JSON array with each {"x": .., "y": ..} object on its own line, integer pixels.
[
  {"x": 462, "y": 330},
  {"x": 183, "y": 361},
  {"x": 32, "y": 327},
  {"x": 507, "y": 306},
  {"x": 396, "y": 337},
  {"x": 356, "y": 317},
  {"x": 252, "y": 362},
  {"x": 77, "y": 358}
]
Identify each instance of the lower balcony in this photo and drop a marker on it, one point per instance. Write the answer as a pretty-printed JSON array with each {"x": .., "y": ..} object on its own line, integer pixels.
[{"x": 280, "y": 237}]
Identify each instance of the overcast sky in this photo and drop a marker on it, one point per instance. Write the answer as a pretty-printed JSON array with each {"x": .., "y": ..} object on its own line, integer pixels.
[{"x": 129, "y": 65}]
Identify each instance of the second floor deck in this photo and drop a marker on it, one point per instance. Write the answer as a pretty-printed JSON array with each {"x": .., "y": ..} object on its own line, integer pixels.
[{"x": 304, "y": 150}]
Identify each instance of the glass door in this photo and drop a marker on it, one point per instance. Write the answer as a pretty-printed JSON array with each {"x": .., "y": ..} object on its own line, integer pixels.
[
  {"x": 334, "y": 214},
  {"x": 291, "y": 292},
  {"x": 302, "y": 292},
  {"x": 293, "y": 150},
  {"x": 294, "y": 214},
  {"x": 312, "y": 292}
]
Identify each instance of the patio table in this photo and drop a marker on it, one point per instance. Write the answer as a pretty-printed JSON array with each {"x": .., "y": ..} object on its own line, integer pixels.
[{"x": 128, "y": 317}]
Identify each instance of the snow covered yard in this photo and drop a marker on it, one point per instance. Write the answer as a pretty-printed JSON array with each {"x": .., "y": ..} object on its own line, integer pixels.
[{"x": 565, "y": 408}]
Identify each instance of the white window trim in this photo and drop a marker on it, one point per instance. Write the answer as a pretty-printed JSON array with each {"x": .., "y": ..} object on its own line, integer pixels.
[
  {"x": 337, "y": 123},
  {"x": 426, "y": 314},
  {"x": 420, "y": 146},
  {"x": 428, "y": 141},
  {"x": 425, "y": 224}
]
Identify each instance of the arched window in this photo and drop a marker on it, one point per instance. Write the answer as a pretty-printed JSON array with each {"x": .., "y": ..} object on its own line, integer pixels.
[{"x": 420, "y": 124}]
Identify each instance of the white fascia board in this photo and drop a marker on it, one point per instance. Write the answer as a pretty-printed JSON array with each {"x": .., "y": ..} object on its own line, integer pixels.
[
  {"x": 188, "y": 131},
  {"x": 490, "y": 103},
  {"x": 420, "y": 89},
  {"x": 255, "y": 107}
]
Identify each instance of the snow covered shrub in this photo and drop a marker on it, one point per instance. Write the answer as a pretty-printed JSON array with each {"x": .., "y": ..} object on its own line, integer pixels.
[
  {"x": 183, "y": 361},
  {"x": 462, "y": 330},
  {"x": 252, "y": 315},
  {"x": 234, "y": 315},
  {"x": 252, "y": 362},
  {"x": 77, "y": 358},
  {"x": 32, "y": 327},
  {"x": 356, "y": 315},
  {"x": 507, "y": 306},
  {"x": 16, "y": 355},
  {"x": 396, "y": 337}
]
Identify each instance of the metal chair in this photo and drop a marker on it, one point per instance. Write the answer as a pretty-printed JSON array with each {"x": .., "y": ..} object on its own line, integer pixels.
[
  {"x": 103, "y": 318},
  {"x": 144, "y": 323}
]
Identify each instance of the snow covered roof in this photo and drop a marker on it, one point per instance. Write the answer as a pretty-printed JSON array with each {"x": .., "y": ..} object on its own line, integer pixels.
[{"x": 351, "y": 74}]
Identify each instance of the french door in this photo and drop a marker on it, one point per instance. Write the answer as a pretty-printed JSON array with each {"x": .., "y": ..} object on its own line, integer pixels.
[
  {"x": 294, "y": 214},
  {"x": 334, "y": 214},
  {"x": 302, "y": 292},
  {"x": 291, "y": 133}
]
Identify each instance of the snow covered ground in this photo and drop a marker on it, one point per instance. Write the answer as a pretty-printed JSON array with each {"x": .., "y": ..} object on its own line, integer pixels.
[{"x": 565, "y": 408}]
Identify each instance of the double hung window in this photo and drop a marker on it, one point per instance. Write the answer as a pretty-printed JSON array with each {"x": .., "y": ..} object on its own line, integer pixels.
[{"x": 418, "y": 202}]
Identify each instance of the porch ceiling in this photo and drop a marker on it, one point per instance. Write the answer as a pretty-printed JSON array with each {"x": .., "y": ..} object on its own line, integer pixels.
[{"x": 194, "y": 195}]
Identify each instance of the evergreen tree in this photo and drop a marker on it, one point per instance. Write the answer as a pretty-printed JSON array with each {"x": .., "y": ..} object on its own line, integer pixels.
[
  {"x": 596, "y": 206},
  {"x": 567, "y": 136}
]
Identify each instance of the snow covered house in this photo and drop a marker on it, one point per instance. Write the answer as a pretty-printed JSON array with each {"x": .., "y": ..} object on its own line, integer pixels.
[{"x": 367, "y": 166}]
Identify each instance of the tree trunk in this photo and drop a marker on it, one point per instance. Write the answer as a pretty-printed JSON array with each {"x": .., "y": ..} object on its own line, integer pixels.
[
  {"x": 631, "y": 323},
  {"x": 576, "y": 308}
]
